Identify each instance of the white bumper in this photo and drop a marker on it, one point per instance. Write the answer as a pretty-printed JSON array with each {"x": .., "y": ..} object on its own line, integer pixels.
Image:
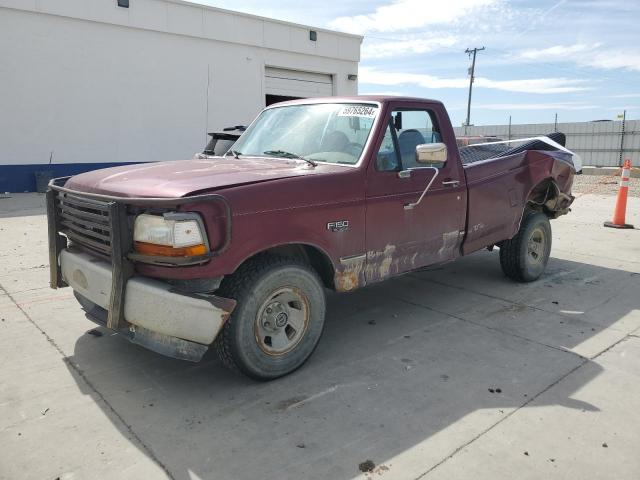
[{"x": 148, "y": 303}]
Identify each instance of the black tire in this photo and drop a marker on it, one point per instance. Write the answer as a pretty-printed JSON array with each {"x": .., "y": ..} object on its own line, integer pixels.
[
  {"x": 241, "y": 345},
  {"x": 517, "y": 260}
]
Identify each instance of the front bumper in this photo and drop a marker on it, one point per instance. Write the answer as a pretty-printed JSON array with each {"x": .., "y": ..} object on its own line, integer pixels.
[
  {"x": 156, "y": 313},
  {"x": 148, "y": 311}
]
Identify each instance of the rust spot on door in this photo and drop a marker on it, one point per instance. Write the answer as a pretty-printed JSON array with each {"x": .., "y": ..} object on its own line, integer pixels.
[
  {"x": 347, "y": 280},
  {"x": 351, "y": 275}
]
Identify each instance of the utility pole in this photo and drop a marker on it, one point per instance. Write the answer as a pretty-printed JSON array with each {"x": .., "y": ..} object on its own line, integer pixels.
[{"x": 472, "y": 70}]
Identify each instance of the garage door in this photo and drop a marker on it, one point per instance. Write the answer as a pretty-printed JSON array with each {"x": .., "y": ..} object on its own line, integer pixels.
[{"x": 294, "y": 83}]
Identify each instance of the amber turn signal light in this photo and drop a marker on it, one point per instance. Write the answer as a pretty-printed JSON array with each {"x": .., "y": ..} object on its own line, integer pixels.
[{"x": 168, "y": 251}]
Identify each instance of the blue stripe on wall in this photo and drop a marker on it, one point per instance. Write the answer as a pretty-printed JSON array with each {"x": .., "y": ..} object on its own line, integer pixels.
[{"x": 21, "y": 178}]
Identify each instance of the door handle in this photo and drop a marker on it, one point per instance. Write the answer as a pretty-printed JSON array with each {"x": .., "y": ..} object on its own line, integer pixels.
[
  {"x": 412, "y": 205},
  {"x": 451, "y": 183}
]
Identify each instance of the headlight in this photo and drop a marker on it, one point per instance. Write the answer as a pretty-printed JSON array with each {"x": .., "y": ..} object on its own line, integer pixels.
[{"x": 172, "y": 235}]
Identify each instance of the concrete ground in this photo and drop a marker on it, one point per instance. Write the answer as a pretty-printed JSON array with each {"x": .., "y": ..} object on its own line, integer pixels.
[{"x": 454, "y": 372}]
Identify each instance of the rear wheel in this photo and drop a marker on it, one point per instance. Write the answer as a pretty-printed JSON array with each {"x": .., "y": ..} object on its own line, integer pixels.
[
  {"x": 524, "y": 258},
  {"x": 278, "y": 320}
]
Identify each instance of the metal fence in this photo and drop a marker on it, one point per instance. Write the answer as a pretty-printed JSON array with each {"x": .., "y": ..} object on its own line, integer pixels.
[{"x": 601, "y": 144}]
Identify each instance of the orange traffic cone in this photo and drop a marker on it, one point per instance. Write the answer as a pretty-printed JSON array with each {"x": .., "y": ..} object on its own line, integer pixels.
[{"x": 621, "y": 202}]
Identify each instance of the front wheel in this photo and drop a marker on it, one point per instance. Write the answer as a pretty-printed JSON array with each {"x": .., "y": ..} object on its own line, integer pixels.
[
  {"x": 524, "y": 257},
  {"x": 278, "y": 320}
]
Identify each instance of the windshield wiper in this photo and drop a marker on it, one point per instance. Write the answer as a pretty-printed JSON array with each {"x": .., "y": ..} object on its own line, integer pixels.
[
  {"x": 283, "y": 154},
  {"x": 235, "y": 153}
]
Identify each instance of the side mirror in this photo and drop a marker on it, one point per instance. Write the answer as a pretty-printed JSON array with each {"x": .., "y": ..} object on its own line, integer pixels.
[{"x": 431, "y": 154}]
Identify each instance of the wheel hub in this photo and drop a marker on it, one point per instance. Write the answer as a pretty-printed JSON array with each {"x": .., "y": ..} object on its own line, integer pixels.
[
  {"x": 274, "y": 316},
  {"x": 536, "y": 246},
  {"x": 282, "y": 321}
]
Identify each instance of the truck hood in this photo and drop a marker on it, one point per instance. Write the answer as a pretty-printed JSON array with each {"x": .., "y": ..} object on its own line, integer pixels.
[{"x": 183, "y": 177}]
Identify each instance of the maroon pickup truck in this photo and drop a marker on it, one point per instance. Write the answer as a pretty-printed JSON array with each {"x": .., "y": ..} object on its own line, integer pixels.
[{"x": 236, "y": 252}]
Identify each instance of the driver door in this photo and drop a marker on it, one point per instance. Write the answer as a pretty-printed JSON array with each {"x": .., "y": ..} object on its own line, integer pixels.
[{"x": 400, "y": 239}]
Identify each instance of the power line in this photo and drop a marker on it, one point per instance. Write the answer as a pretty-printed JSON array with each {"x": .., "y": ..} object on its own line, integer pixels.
[{"x": 472, "y": 70}]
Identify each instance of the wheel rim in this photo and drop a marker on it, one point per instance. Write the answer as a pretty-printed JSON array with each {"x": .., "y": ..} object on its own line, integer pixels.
[
  {"x": 536, "y": 246},
  {"x": 282, "y": 321}
]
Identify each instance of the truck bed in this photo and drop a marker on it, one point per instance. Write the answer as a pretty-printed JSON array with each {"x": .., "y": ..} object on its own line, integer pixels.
[{"x": 485, "y": 151}]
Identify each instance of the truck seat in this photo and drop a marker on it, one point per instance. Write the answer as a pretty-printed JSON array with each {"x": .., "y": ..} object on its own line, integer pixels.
[
  {"x": 335, "y": 141},
  {"x": 408, "y": 140}
]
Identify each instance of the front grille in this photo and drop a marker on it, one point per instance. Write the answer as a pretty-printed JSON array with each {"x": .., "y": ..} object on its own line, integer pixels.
[{"x": 85, "y": 221}]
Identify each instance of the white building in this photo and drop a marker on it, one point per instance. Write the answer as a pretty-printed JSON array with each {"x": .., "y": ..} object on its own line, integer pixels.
[{"x": 89, "y": 83}]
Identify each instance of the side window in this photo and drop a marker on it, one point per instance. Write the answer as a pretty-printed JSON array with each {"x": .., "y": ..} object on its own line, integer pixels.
[
  {"x": 413, "y": 128},
  {"x": 387, "y": 159}
]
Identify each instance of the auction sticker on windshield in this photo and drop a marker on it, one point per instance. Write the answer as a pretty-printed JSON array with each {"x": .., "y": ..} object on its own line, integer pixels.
[{"x": 358, "y": 111}]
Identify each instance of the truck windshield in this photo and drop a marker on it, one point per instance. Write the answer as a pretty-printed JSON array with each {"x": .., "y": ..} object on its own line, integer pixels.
[{"x": 328, "y": 132}]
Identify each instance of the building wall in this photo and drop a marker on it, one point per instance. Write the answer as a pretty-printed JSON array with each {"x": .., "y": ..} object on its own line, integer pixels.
[
  {"x": 87, "y": 82},
  {"x": 598, "y": 143}
]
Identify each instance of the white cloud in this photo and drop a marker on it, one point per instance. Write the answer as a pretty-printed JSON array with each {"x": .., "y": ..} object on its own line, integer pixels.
[
  {"x": 589, "y": 55},
  {"x": 535, "y": 85},
  {"x": 536, "y": 106},
  {"x": 409, "y": 14},
  {"x": 378, "y": 93},
  {"x": 626, "y": 95},
  {"x": 377, "y": 77},
  {"x": 374, "y": 48},
  {"x": 623, "y": 108},
  {"x": 557, "y": 52},
  {"x": 627, "y": 60}
]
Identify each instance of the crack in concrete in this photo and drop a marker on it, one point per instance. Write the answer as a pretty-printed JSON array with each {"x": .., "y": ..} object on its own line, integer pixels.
[
  {"x": 583, "y": 362},
  {"x": 614, "y": 259},
  {"x": 508, "y": 415},
  {"x": 533, "y": 307},
  {"x": 27, "y": 290},
  {"x": 493, "y": 329},
  {"x": 92, "y": 387}
]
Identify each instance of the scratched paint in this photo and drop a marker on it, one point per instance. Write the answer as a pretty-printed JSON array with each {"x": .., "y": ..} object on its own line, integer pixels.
[
  {"x": 385, "y": 260},
  {"x": 371, "y": 267},
  {"x": 381, "y": 264},
  {"x": 394, "y": 260},
  {"x": 449, "y": 242}
]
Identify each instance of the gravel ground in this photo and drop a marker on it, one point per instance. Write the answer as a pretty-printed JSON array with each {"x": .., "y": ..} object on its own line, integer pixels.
[{"x": 603, "y": 185}]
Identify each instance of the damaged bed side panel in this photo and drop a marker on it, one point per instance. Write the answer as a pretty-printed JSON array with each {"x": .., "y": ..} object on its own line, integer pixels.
[{"x": 499, "y": 190}]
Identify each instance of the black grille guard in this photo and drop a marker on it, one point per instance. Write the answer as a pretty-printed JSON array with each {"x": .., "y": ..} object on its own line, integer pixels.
[{"x": 121, "y": 238}]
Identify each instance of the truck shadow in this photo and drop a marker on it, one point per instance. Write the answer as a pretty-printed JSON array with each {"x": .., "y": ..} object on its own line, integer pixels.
[{"x": 456, "y": 348}]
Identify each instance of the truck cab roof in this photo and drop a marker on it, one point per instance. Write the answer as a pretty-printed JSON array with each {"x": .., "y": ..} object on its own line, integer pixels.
[{"x": 357, "y": 99}]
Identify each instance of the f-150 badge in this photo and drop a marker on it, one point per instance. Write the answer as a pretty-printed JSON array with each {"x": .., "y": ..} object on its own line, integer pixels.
[{"x": 338, "y": 226}]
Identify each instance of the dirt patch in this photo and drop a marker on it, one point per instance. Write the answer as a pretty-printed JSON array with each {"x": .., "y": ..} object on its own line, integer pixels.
[
  {"x": 602, "y": 185},
  {"x": 367, "y": 466}
]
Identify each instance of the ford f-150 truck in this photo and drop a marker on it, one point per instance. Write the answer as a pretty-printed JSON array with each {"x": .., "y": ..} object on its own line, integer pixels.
[{"x": 236, "y": 252}]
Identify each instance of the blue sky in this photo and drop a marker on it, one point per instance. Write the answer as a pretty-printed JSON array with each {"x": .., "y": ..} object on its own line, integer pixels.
[{"x": 577, "y": 58}]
